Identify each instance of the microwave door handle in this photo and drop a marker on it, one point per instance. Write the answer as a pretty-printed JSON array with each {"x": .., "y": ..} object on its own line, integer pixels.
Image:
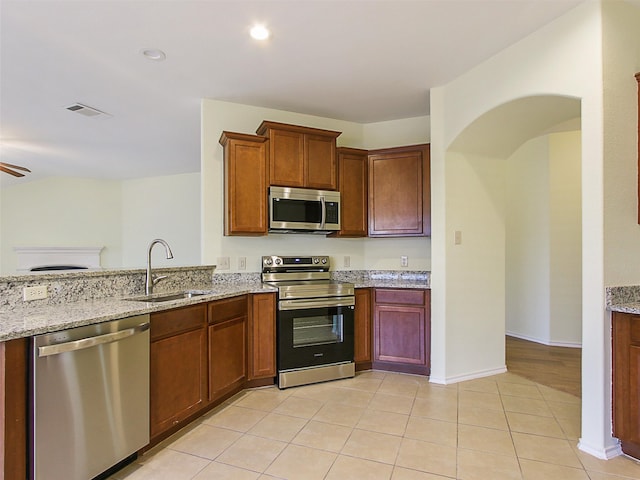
[{"x": 323, "y": 207}]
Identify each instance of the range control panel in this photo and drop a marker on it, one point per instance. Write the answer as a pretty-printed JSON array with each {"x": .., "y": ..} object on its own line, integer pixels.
[{"x": 291, "y": 263}]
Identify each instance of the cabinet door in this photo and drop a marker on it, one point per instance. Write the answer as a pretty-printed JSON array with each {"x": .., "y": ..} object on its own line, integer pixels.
[
  {"x": 286, "y": 158},
  {"x": 399, "y": 192},
  {"x": 362, "y": 329},
  {"x": 320, "y": 162},
  {"x": 400, "y": 334},
  {"x": 401, "y": 330},
  {"x": 178, "y": 366},
  {"x": 626, "y": 381},
  {"x": 245, "y": 183},
  {"x": 227, "y": 356},
  {"x": 353, "y": 187},
  {"x": 300, "y": 156},
  {"x": 262, "y": 336},
  {"x": 13, "y": 408}
]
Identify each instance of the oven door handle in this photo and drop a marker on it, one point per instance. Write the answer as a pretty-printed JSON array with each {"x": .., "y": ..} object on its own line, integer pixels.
[{"x": 316, "y": 303}]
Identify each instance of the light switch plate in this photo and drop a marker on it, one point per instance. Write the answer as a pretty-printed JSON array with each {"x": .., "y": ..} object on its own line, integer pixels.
[
  {"x": 404, "y": 261},
  {"x": 347, "y": 261},
  {"x": 223, "y": 263},
  {"x": 242, "y": 263}
]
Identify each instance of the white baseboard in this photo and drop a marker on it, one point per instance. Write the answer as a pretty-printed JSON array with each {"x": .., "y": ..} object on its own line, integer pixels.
[
  {"x": 603, "y": 454},
  {"x": 468, "y": 376},
  {"x": 545, "y": 342}
]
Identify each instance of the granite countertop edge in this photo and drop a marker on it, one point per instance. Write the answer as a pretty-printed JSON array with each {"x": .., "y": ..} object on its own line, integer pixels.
[{"x": 625, "y": 308}]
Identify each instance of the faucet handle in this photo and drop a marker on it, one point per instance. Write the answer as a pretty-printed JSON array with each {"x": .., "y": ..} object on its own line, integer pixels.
[{"x": 158, "y": 278}]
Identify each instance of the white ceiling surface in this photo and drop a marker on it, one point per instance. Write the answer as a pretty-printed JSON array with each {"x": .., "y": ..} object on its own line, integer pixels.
[{"x": 357, "y": 60}]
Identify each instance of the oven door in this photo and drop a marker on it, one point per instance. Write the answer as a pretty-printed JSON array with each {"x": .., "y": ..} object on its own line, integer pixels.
[{"x": 315, "y": 332}]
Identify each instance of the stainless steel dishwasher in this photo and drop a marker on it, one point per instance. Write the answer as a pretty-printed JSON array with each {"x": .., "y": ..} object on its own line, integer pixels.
[{"x": 90, "y": 388}]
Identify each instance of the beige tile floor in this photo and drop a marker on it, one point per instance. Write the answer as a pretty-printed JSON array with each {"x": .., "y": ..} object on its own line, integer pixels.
[{"x": 386, "y": 426}]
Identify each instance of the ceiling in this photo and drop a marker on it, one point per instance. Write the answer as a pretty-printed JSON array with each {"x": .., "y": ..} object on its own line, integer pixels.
[{"x": 356, "y": 60}]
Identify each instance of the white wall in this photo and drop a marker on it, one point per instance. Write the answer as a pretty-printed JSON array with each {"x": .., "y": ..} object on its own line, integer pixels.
[
  {"x": 544, "y": 240},
  {"x": 166, "y": 207},
  {"x": 561, "y": 59},
  {"x": 396, "y": 133},
  {"x": 621, "y": 63},
  {"x": 565, "y": 221},
  {"x": 528, "y": 242},
  {"x": 121, "y": 216},
  {"x": 364, "y": 253},
  {"x": 62, "y": 212},
  {"x": 475, "y": 205}
]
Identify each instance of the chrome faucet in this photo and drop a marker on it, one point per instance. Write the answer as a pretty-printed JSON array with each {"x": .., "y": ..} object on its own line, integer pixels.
[{"x": 150, "y": 281}]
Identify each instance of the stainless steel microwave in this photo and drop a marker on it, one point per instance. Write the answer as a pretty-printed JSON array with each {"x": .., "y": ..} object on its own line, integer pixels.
[{"x": 303, "y": 210}]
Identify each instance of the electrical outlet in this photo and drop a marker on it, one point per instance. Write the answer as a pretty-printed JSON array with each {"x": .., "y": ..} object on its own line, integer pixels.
[
  {"x": 34, "y": 293},
  {"x": 404, "y": 261},
  {"x": 347, "y": 261},
  {"x": 223, "y": 263},
  {"x": 242, "y": 263},
  {"x": 457, "y": 237}
]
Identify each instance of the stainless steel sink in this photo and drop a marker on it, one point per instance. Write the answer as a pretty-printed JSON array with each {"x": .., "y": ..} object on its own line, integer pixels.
[{"x": 166, "y": 297}]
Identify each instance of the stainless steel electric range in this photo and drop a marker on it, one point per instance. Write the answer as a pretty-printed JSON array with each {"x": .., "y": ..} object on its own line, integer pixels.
[{"x": 315, "y": 320}]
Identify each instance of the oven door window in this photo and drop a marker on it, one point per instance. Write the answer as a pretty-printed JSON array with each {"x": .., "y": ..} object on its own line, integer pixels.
[
  {"x": 317, "y": 330},
  {"x": 314, "y": 336}
]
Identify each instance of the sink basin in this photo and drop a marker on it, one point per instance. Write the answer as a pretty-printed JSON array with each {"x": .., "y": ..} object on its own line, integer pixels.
[{"x": 166, "y": 297}]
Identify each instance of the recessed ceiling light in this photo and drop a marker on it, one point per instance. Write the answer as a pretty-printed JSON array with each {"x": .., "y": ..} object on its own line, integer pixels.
[
  {"x": 154, "y": 54},
  {"x": 259, "y": 32}
]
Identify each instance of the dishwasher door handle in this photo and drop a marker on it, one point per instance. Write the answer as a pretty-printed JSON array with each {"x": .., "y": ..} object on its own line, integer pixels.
[{"x": 83, "y": 343}]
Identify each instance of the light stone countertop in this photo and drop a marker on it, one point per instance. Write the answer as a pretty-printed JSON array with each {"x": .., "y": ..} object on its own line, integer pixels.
[
  {"x": 84, "y": 298},
  {"x": 50, "y": 318},
  {"x": 624, "y": 299}
]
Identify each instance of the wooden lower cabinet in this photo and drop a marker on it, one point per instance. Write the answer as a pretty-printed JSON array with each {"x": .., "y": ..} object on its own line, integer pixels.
[
  {"x": 178, "y": 366},
  {"x": 626, "y": 381},
  {"x": 227, "y": 346},
  {"x": 262, "y": 336},
  {"x": 401, "y": 330},
  {"x": 362, "y": 329},
  {"x": 13, "y": 408}
]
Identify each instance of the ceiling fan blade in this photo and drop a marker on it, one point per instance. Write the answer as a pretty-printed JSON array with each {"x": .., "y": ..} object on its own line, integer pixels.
[
  {"x": 17, "y": 167},
  {"x": 10, "y": 172}
]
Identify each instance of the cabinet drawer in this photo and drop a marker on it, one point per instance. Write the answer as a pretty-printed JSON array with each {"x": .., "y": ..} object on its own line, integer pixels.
[
  {"x": 177, "y": 320},
  {"x": 399, "y": 296},
  {"x": 225, "y": 309}
]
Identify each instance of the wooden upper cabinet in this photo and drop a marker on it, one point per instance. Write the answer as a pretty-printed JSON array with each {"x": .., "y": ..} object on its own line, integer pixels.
[
  {"x": 301, "y": 156},
  {"x": 353, "y": 187},
  {"x": 399, "y": 192},
  {"x": 245, "y": 184}
]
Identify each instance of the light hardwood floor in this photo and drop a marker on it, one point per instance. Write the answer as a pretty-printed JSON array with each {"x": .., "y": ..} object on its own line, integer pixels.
[{"x": 555, "y": 367}]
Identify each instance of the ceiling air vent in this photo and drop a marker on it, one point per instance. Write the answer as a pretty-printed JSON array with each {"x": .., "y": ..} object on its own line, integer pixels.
[{"x": 86, "y": 110}]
